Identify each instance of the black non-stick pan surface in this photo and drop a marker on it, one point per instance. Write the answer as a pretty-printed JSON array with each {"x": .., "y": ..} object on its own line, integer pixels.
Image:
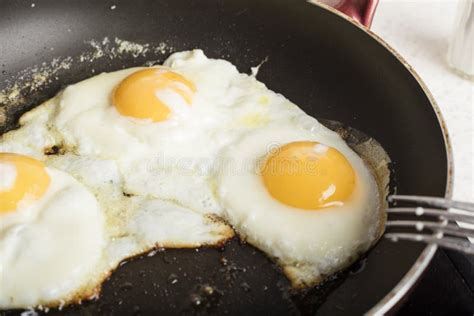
[{"x": 331, "y": 68}]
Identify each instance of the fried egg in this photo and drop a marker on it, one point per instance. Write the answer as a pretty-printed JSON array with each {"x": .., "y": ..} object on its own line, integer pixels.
[
  {"x": 303, "y": 197},
  {"x": 51, "y": 233}
]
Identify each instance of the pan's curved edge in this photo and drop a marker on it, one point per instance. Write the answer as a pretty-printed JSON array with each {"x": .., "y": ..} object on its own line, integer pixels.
[{"x": 409, "y": 279}]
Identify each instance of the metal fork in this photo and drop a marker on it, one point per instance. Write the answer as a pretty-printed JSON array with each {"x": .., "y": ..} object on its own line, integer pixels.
[{"x": 442, "y": 223}]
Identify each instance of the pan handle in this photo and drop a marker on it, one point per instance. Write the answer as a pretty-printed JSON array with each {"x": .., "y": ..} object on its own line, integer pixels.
[{"x": 360, "y": 10}]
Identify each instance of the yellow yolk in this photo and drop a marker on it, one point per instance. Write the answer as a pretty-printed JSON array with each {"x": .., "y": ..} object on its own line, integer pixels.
[
  {"x": 21, "y": 178},
  {"x": 137, "y": 95},
  {"x": 308, "y": 175}
]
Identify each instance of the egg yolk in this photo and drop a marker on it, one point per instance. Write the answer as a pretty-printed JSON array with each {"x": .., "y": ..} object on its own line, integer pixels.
[
  {"x": 138, "y": 95},
  {"x": 308, "y": 175},
  {"x": 21, "y": 178}
]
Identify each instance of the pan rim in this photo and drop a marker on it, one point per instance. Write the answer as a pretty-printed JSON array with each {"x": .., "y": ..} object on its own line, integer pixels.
[{"x": 395, "y": 296}]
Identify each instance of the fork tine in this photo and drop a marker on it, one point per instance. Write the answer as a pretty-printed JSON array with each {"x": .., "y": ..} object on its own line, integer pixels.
[
  {"x": 433, "y": 201},
  {"x": 445, "y": 228},
  {"x": 466, "y": 217},
  {"x": 446, "y": 242}
]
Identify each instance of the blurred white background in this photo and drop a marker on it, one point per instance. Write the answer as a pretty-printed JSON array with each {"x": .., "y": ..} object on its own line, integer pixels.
[{"x": 420, "y": 30}]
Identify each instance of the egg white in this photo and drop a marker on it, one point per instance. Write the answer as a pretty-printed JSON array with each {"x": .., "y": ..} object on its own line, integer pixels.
[{"x": 131, "y": 217}]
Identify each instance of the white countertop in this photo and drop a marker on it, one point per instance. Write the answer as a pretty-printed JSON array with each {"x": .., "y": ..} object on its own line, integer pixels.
[{"x": 420, "y": 31}]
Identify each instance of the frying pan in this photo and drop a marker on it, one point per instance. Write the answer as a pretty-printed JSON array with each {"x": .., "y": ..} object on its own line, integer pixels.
[{"x": 326, "y": 63}]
